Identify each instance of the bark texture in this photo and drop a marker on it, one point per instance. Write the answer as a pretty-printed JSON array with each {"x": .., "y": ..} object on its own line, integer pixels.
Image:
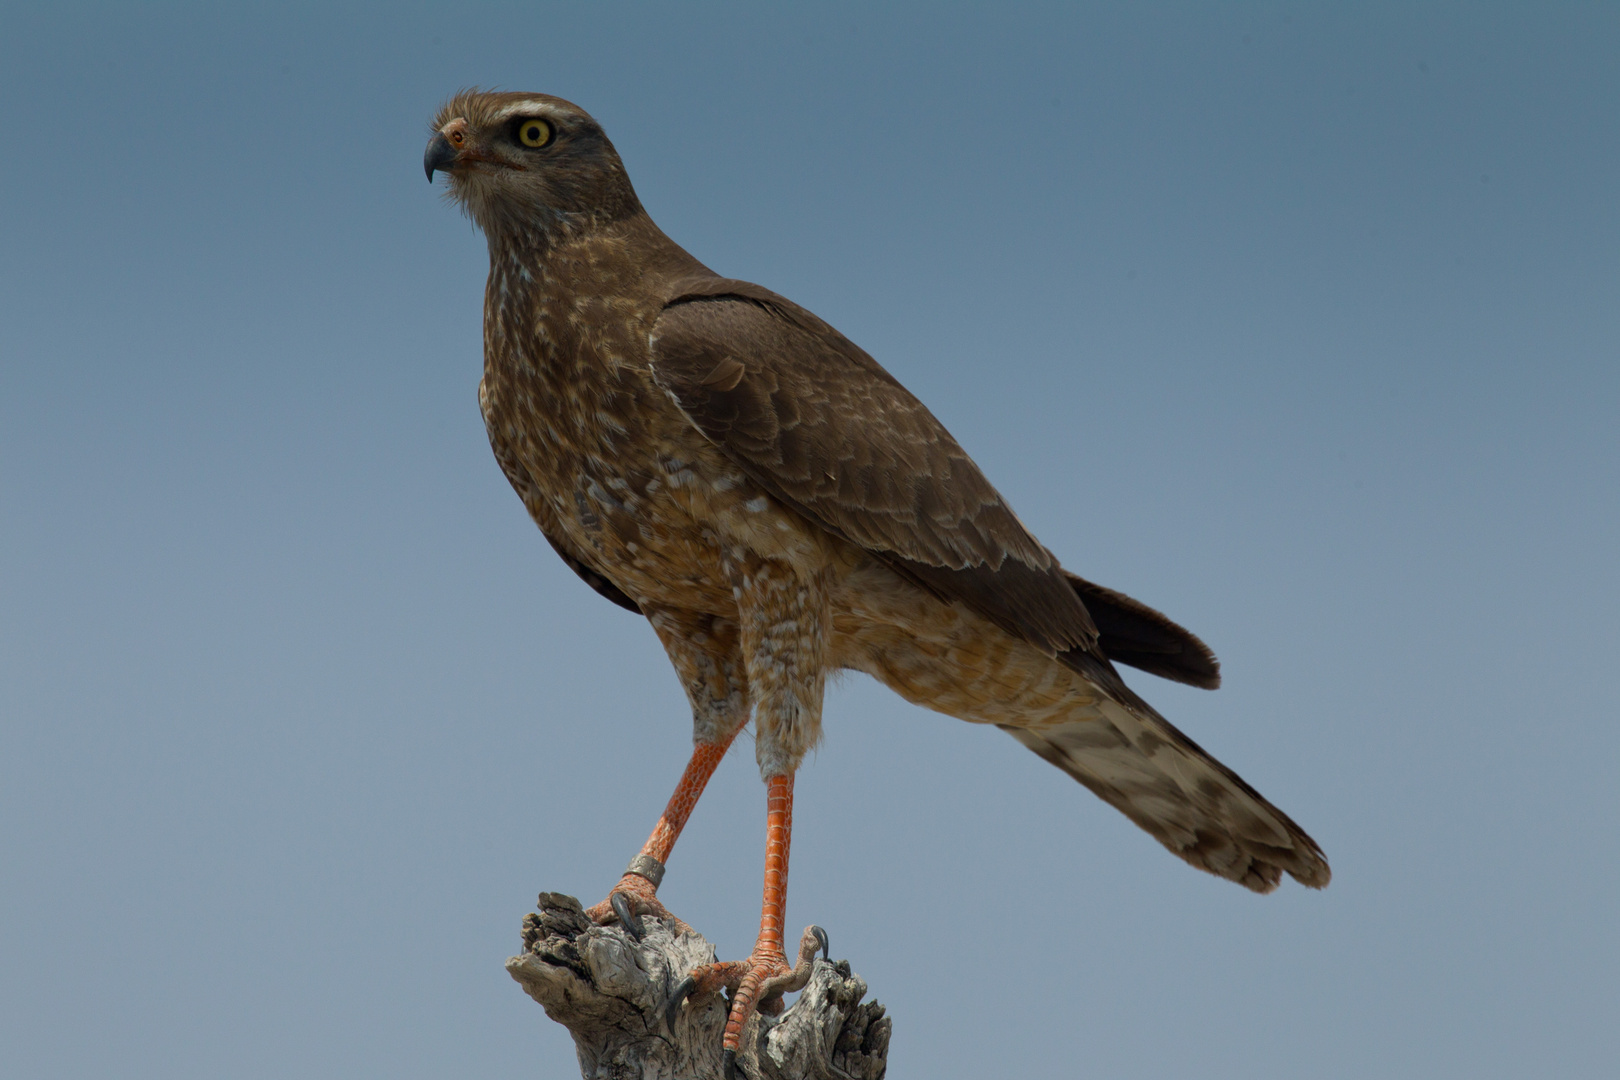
[{"x": 609, "y": 991}]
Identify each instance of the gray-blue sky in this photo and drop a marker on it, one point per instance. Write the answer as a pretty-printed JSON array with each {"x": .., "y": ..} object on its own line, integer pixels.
[{"x": 1301, "y": 323}]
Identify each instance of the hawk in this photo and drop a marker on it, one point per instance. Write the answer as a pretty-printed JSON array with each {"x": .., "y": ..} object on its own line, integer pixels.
[{"x": 712, "y": 456}]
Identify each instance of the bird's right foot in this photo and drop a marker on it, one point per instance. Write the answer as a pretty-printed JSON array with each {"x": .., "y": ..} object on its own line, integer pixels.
[{"x": 633, "y": 897}]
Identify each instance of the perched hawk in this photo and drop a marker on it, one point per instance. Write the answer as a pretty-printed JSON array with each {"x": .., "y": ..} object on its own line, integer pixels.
[{"x": 716, "y": 458}]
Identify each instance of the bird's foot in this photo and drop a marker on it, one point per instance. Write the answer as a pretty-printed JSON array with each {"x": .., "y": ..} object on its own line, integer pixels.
[
  {"x": 633, "y": 897},
  {"x": 756, "y": 983}
]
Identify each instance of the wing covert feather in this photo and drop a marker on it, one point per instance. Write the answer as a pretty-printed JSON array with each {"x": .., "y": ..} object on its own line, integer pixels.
[{"x": 822, "y": 427}]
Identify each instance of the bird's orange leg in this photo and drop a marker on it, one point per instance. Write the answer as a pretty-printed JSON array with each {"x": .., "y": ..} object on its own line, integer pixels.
[
  {"x": 636, "y": 894},
  {"x": 759, "y": 981}
]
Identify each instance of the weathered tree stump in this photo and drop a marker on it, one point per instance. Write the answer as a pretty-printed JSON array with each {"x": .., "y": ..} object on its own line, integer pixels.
[{"x": 609, "y": 991}]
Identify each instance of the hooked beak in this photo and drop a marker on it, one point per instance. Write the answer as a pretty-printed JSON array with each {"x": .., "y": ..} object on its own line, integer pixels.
[
  {"x": 444, "y": 149},
  {"x": 439, "y": 157}
]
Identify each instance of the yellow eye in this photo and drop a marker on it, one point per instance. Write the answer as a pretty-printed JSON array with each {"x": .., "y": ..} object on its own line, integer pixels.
[{"x": 535, "y": 133}]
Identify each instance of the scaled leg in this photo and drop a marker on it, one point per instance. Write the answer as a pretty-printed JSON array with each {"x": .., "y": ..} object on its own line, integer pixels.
[{"x": 704, "y": 651}]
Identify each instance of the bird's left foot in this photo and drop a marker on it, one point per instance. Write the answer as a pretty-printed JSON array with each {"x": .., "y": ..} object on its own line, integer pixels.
[
  {"x": 755, "y": 983},
  {"x": 633, "y": 897}
]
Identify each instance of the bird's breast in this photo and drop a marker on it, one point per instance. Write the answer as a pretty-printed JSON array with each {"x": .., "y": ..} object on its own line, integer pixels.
[
  {"x": 622, "y": 474},
  {"x": 655, "y": 505}
]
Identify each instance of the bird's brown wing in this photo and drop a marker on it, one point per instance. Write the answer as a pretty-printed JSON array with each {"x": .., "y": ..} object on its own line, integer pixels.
[
  {"x": 1132, "y": 633},
  {"x": 822, "y": 427}
]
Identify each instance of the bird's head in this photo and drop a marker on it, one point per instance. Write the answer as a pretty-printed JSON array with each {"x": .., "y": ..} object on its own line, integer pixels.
[{"x": 521, "y": 163}]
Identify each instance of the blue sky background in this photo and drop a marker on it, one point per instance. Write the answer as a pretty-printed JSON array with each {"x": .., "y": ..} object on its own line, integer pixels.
[{"x": 1300, "y": 322}]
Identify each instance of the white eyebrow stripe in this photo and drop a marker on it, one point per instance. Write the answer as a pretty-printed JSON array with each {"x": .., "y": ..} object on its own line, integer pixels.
[{"x": 528, "y": 107}]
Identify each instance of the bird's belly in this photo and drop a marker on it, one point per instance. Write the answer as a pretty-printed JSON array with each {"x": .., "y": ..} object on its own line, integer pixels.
[
  {"x": 646, "y": 543},
  {"x": 646, "y": 500},
  {"x": 946, "y": 657},
  {"x": 666, "y": 527}
]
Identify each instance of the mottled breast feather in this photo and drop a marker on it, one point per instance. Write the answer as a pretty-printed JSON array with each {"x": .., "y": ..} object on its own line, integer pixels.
[
  {"x": 821, "y": 426},
  {"x": 535, "y": 503}
]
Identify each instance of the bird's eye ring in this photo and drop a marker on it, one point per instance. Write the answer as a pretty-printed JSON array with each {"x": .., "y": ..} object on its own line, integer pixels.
[{"x": 533, "y": 133}]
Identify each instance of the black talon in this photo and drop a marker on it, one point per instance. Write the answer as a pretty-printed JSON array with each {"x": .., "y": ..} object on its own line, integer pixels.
[
  {"x": 728, "y": 1066},
  {"x": 821, "y": 936},
  {"x": 672, "y": 1007},
  {"x": 627, "y": 918}
]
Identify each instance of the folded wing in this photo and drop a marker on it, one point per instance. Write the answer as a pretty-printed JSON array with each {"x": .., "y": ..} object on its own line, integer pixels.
[{"x": 820, "y": 425}]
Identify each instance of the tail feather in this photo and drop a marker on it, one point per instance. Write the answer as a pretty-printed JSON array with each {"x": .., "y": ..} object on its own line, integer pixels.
[
  {"x": 1076, "y": 712},
  {"x": 1139, "y": 763}
]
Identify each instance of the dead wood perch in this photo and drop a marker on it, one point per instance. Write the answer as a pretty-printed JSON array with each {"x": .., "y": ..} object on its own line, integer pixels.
[{"x": 609, "y": 991}]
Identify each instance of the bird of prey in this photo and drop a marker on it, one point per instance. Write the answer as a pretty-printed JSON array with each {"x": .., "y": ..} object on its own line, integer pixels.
[{"x": 712, "y": 456}]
